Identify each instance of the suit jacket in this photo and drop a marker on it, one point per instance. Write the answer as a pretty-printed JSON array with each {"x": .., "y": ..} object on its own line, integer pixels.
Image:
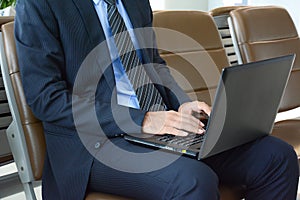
[{"x": 53, "y": 38}]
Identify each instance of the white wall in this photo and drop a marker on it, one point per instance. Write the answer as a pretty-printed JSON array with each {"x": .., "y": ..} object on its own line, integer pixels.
[
  {"x": 187, "y": 4},
  {"x": 215, "y": 4},
  {"x": 179, "y": 4},
  {"x": 157, "y": 4},
  {"x": 219, "y": 3}
]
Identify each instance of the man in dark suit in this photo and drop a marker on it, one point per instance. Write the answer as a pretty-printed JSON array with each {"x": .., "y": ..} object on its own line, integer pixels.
[{"x": 53, "y": 40}]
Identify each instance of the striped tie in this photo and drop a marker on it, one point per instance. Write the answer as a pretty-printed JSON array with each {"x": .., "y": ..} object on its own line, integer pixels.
[{"x": 148, "y": 96}]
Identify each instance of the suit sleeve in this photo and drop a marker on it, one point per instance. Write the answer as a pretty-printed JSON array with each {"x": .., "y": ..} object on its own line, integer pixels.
[
  {"x": 43, "y": 71},
  {"x": 41, "y": 62}
]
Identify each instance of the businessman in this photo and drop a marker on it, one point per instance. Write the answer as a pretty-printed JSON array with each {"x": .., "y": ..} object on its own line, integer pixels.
[{"x": 53, "y": 40}]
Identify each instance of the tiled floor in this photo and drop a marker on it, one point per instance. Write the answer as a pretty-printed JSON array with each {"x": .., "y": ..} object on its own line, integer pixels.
[
  {"x": 13, "y": 189},
  {"x": 21, "y": 195}
]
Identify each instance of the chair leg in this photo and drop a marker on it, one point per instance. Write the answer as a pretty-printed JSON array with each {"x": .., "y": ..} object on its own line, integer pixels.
[{"x": 29, "y": 191}]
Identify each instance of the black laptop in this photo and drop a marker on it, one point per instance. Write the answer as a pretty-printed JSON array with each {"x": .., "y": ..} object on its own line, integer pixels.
[{"x": 244, "y": 109}]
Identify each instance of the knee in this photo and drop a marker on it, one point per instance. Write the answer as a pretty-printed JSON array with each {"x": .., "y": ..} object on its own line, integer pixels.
[
  {"x": 196, "y": 181},
  {"x": 276, "y": 167},
  {"x": 282, "y": 150},
  {"x": 281, "y": 154},
  {"x": 202, "y": 177}
]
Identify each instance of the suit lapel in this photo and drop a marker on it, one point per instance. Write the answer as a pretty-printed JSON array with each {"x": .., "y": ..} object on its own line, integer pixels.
[
  {"x": 91, "y": 21},
  {"x": 95, "y": 32},
  {"x": 131, "y": 11}
]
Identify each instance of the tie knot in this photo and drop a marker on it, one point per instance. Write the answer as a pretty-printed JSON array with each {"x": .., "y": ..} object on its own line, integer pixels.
[{"x": 110, "y": 2}]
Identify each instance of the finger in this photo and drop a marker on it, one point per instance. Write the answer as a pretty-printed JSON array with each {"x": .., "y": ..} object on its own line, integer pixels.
[
  {"x": 201, "y": 107},
  {"x": 172, "y": 121},
  {"x": 201, "y": 131},
  {"x": 196, "y": 107},
  {"x": 179, "y": 119},
  {"x": 202, "y": 124},
  {"x": 204, "y": 107},
  {"x": 186, "y": 122},
  {"x": 174, "y": 131},
  {"x": 190, "y": 119}
]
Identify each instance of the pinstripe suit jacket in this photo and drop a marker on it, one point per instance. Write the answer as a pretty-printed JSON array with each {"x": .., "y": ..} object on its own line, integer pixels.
[{"x": 53, "y": 38}]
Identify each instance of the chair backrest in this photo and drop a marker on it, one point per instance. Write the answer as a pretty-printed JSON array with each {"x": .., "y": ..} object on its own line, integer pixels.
[
  {"x": 5, "y": 115},
  {"x": 264, "y": 32},
  {"x": 25, "y": 133},
  {"x": 225, "y": 10},
  {"x": 191, "y": 45},
  {"x": 220, "y": 16}
]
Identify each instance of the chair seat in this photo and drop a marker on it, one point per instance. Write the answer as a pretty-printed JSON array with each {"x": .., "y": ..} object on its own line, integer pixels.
[
  {"x": 289, "y": 131},
  {"x": 226, "y": 193},
  {"x": 231, "y": 192},
  {"x": 103, "y": 196}
]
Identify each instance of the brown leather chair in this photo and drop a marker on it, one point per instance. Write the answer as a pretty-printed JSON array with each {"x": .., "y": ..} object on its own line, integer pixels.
[
  {"x": 191, "y": 45},
  {"x": 24, "y": 133},
  {"x": 265, "y": 32},
  {"x": 220, "y": 16},
  {"x": 5, "y": 116}
]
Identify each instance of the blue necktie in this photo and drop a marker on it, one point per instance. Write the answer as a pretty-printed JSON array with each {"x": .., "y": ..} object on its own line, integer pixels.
[{"x": 148, "y": 96}]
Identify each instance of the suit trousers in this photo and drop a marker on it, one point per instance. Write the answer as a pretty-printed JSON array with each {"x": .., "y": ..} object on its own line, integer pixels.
[{"x": 267, "y": 167}]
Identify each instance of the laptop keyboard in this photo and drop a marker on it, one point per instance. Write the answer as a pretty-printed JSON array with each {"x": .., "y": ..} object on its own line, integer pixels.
[{"x": 186, "y": 141}]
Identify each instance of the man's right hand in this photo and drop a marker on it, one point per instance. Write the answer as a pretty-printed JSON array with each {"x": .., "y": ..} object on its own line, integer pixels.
[{"x": 171, "y": 122}]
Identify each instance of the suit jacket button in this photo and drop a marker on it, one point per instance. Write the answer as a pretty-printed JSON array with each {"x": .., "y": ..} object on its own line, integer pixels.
[{"x": 97, "y": 145}]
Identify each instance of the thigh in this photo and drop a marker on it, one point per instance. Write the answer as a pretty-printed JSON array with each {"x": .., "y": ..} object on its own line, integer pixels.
[
  {"x": 245, "y": 164},
  {"x": 184, "y": 178}
]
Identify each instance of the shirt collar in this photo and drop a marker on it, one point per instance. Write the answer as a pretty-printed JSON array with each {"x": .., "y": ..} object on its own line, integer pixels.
[{"x": 97, "y": 1}]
